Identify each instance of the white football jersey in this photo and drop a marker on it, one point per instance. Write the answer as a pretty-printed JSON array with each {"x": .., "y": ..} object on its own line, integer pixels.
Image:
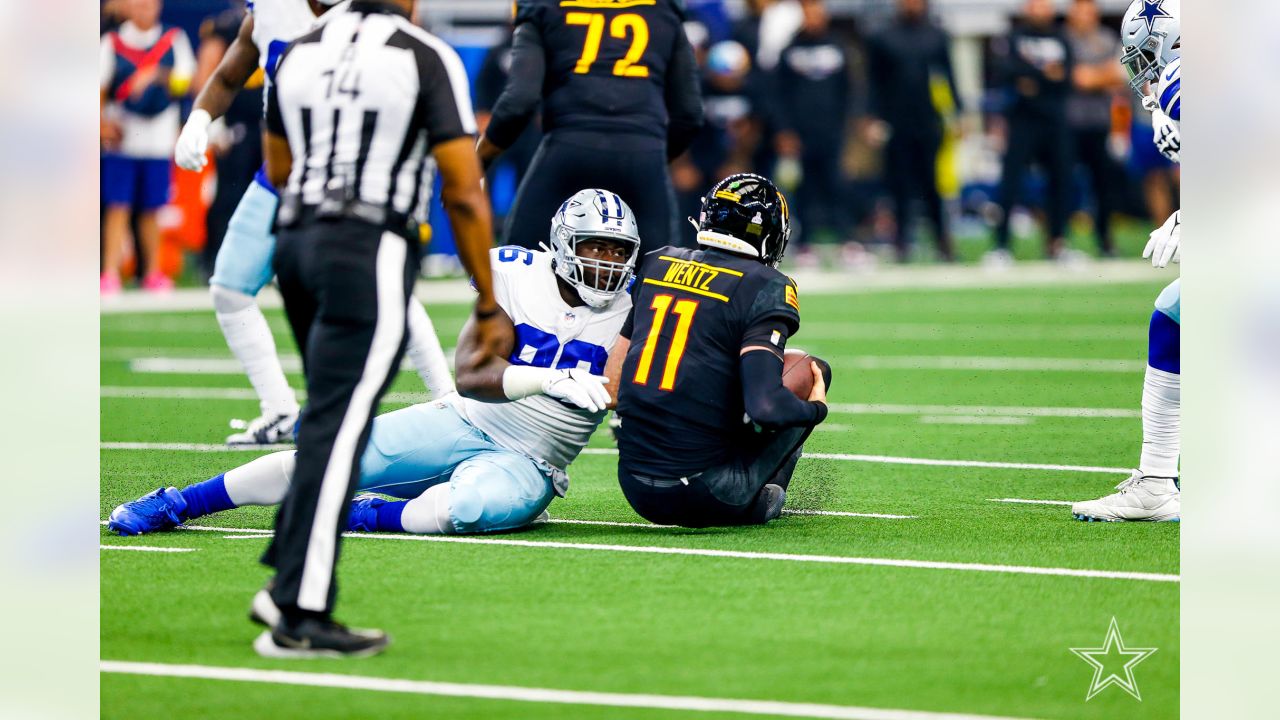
[
  {"x": 552, "y": 334},
  {"x": 276, "y": 23},
  {"x": 1169, "y": 91}
]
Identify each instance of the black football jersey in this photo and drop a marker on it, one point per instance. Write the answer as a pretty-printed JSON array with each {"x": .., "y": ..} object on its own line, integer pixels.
[
  {"x": 606, "y": 62},
  {"x": 680, "y": 394}
]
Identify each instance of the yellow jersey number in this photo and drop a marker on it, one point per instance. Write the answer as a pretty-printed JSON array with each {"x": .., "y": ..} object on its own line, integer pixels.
[
  {"x": 662, "y": 305},
  {"x": 621, "y": 26}
]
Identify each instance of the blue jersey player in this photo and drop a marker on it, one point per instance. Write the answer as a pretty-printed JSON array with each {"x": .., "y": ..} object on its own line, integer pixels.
[
  {"x": 243, "y": 264},
  {"x": 1153, "y": 48},
  {"x": 492, "y": 456}
]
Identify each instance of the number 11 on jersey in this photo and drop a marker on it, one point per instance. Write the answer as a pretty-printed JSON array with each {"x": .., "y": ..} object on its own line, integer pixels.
[{"x": 662, "y": 306}]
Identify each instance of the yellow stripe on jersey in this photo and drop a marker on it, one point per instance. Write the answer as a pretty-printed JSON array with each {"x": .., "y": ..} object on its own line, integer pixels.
[
  {"x": 793, "y": 298},
  {"x": 606, "y": 4}
]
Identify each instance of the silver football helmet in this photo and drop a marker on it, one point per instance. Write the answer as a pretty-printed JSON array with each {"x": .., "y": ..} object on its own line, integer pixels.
[
  {"x": 1152, "y": 38},
  {"x": 594, "y": 214}
]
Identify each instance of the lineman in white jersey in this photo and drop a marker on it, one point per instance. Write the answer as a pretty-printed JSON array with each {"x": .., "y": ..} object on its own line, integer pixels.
[
  {"x": 243, "y": 265},
  {"x": 1153, "y": 48},
  {"x": 495, "y": 459}
]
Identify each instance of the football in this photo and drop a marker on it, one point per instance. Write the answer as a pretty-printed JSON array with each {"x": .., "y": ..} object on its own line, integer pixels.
[{"x": 796, "y": 375}]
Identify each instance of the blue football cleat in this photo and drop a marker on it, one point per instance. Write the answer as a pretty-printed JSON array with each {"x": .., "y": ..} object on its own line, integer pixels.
[
  {"x": 364, "y": 513},
  {"x": 161, "y": 509}
]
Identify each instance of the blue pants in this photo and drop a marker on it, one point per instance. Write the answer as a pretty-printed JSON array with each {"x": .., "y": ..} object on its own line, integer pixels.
[
  {"x": 244, "y": 259},
  {"x": 491, "y": 488}
]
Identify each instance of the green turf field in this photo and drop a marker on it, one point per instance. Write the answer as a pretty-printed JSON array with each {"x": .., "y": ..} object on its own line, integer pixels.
[{"x": 926, "y": 594}]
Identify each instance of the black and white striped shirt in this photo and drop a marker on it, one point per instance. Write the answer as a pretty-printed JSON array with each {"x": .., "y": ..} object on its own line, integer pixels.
[{"x": 362, "y": 100}]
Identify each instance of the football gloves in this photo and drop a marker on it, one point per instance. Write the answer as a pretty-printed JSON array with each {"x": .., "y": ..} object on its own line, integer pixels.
[
  {"x": 190, "y": 151},
  {"x": 1165, "y": 242},
  {"x": 579, "y": 388},
  {"x": 1168, "y": 138}
]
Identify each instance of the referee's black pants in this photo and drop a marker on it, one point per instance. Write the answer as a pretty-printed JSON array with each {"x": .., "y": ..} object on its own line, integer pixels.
[
  {"x": 719, "y": 496},
  {"x": 568, "y": 161},
  {"x": 346, "y": 286}
]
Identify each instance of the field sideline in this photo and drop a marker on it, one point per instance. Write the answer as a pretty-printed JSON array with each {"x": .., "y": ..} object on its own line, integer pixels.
[{"x": 927, "y": 567}]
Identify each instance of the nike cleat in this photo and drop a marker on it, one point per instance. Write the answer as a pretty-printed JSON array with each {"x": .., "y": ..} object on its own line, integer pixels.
[
  {"x": 768, "y": 504},
  {"x": 1141, "y": 498},
  {"x": 264, "y": 430},
  {"x": 364, "y": 513},
  {"x": 161, "y": 509},
  {"x": 313, "y": 638}
]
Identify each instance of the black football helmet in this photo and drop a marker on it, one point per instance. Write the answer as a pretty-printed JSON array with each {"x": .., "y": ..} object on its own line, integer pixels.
[{"x": 746, "y": 214}]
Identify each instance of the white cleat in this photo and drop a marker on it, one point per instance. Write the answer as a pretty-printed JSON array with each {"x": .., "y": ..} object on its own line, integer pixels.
[
  {"x": 264, "y": 430},
  {"x": 1141, "y": 499}
]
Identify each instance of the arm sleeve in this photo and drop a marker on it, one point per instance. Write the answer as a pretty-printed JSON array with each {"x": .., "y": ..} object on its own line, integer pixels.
[
  {"x": 520, "y": 98},
  {"x": 767, "y": 401},
  {"x": 445, "y": 95},
  {"x": 683, "y": 98}
]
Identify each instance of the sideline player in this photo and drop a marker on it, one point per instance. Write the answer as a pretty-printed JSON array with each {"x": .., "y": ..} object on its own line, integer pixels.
[
  {"x": 243, "y": 265},
  {"x": 1153, "y": 49},
  {"x": 709, "y": 434},
  {"x": 618, "y": 86},
  {"x": 463, "y": 465}
]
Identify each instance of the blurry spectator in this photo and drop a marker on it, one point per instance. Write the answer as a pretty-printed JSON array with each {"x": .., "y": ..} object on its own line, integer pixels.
[
  {"x": 238, "y": 144},
  {"x": 812, "y": 92},
  {"x": 143, "y": 68},
  {"x": 728, "y": 140},
  {"x": 905, "y": 60},
  {"x": 779, "y": 21},
  {"x": 1038, "y": 66},
  {"x": 1096, "y": 77},
  {"x": 493, "y": 75}
]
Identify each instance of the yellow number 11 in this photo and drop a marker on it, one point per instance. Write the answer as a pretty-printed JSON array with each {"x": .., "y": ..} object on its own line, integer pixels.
[
  {"x": 661, "y": 304},
  {"x": 618, "y": 28}
]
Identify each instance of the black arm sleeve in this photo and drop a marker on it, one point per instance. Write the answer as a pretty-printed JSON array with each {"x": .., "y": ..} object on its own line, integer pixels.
[
  {"x": 683, "y": 98},
  {"x": 770, "y": 404},
  {"x": 519, "y": 99}
]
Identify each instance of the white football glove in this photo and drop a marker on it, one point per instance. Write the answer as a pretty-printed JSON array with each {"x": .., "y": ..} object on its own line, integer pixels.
[
  {"x": 190, "y": 151},
  {"x": 1166, "y": 242},
  {"x": 578, "y": 387},
  {"x": 1167, "y": 137}
]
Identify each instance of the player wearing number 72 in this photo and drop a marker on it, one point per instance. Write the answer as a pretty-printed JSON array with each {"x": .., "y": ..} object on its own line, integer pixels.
[
  {"x": 709, "y": 434},
  {"x": 492, "y": 456}
]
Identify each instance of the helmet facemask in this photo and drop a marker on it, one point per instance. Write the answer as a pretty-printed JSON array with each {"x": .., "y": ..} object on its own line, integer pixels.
[
  {"x": 597, "y": 281},
  {"x": 1143, "y": 62}
]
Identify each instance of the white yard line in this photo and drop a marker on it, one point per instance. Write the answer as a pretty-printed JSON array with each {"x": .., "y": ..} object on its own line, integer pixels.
[
  {"x": 192, "y": 393},
  {"x": 742, "y": 555},
  {"x": 974, "y": 420},
  {"x": 999, "y": 410},
  {"x": 198, "y": 393},
  {"x": 526, "y": 694},
  {"x": 203, "y": 365},
  {"x": 1031, "y": 502},
  {"x": 967, "y": 331},
  {"x": 837, "y": 513},
  {"x": 146, "y": 548},
  {"x": 998, "y": 363},
  {"x": 885, "y": 459}
]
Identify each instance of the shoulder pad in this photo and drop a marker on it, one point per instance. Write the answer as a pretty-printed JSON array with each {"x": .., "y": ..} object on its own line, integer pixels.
[{"x": 1170, "y": 90}]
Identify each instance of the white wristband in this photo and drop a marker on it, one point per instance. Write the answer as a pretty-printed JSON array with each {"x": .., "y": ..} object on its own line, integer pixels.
[
  {"x": 522, "y": 381},
  {"x": 199, "y": 119}
]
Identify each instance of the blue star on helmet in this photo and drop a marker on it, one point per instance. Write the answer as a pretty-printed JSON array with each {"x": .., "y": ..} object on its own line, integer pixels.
[{"x": 1152, "y": 10}]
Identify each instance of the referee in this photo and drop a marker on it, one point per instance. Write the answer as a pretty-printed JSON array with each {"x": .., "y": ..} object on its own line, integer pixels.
[{"x": 362, "y": 111}]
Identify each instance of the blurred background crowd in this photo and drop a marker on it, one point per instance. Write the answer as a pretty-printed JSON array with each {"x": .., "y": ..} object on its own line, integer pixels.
[{"x": 903, "y": 130}]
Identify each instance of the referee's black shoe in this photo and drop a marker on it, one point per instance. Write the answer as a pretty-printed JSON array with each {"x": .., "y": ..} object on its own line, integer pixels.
[{"x": 312, "y": 638}]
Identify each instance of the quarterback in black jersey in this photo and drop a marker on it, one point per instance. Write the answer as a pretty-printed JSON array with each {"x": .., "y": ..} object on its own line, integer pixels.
[
  {"x": 618, "y": 86},
  {"x": 709, "y": 435}
]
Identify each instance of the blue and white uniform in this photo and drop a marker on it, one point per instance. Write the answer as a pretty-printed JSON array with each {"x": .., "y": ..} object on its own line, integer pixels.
[
  {"x": 506, "y": 461},
  {"x": 1169, "y": 96},
  {"x": 243, "y": 263}
]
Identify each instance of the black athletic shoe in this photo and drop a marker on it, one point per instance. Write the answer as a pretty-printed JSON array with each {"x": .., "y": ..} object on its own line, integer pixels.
[
  {"x": 311, "y": 638},
  {"x": 768, "y": 504}
]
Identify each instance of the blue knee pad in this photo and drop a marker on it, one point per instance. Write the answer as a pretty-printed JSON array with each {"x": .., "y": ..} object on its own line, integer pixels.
[
  {"x": 498, "y": 490},
  {"x": 244, "y": 259},
  {"x": 1163, "y": 347}
]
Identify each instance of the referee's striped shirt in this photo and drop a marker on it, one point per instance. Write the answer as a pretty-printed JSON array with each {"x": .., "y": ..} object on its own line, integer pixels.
[{"x": 362, "y": 100}]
